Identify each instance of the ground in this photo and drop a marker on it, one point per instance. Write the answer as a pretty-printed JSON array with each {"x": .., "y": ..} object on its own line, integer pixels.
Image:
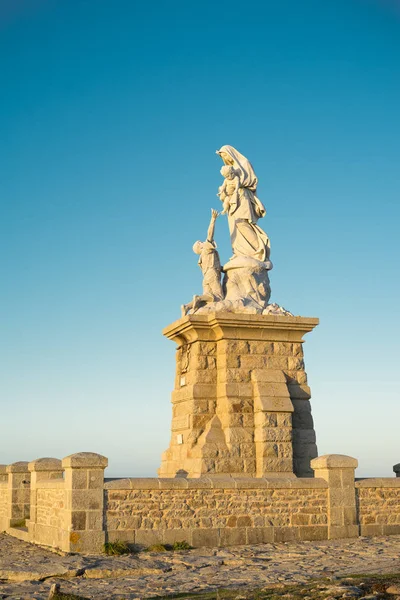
[{"x": 28, "y": 572}]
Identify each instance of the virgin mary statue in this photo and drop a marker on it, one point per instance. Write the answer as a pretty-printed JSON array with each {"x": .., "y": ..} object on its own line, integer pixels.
[{"x": 243, "y": 207}]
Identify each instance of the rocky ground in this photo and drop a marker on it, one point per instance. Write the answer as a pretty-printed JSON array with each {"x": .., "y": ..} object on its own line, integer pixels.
[{"x": 28, "y": 572}]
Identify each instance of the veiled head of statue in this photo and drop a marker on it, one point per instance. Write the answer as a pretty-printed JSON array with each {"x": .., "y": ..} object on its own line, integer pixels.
[{"x": 243, "y": 166}]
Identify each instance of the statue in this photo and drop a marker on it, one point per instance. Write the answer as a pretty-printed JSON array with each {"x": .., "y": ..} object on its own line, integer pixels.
[
  {"x": 238, "y": 194},
  {"x": 245, "y": 287},
  {"x": 211, "y": 268}
]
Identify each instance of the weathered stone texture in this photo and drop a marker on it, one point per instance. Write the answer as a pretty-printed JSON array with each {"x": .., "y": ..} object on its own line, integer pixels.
[
  {"x": 18, "y": 492},
  {"x": 50, "y": 507},
  {"x": 338, "y": 471},
  {"x": 84, "y": 498},
  {"x": 3, "y": 505},
  {"x": 233, "y": 373},
  {"x": 378, "y": 507},
  {"x": 227, "y": 516}
]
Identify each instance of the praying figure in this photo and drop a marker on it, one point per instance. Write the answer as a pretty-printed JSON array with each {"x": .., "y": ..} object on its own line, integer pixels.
[{"x": 211, "y": 268}]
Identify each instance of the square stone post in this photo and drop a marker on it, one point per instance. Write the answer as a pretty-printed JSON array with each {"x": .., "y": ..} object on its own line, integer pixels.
[
  {"x": 3, "y": 497},
  {"x": 396, "y": 469},
  {"x": 84, "y": 502},
  {"x": 3, "y": 474},
  {"x": 338, "y": 471},
  {"x": 18, "y": 493},
  {"x": 40, "y": 469}
]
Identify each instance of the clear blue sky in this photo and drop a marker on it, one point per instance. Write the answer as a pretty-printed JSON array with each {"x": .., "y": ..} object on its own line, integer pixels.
[{"x": 111, "y": 112}]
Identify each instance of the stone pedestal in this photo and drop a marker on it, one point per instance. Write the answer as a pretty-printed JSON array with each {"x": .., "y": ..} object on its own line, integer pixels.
[{"x": 241, "y": 400}]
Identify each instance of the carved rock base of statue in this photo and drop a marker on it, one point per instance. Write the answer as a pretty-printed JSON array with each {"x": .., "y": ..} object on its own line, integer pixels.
[
  {"x": 246, "y": 283},
  {"x": 246, "y": 287},
  {"x": 241, "y": 400}
]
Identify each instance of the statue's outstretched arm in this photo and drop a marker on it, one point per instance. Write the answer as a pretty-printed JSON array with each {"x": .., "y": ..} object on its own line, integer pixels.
[{"x": 211, "y": 227}]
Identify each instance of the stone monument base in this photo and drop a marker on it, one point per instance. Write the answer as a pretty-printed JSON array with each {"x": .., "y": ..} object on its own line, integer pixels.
[{"x": 241, "y": 400}]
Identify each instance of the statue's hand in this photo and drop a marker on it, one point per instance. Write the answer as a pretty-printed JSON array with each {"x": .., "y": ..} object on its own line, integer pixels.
[{"x": 214, "y": 213}]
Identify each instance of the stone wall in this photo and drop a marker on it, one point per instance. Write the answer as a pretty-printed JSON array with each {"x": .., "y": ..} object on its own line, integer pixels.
[
  {"x": 50, "y": 504},
  {"x": 3, "y": 505},
  {"x": 378, "y": 503},
  {"x": 72, "y": 507},
  {"x": 215, "y": 512},
  {"x": 47, "y": 529}
]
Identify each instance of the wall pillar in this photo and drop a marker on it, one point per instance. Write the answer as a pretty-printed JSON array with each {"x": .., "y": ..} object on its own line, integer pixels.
[
  {"x": 40, "y": 469},
  {"x": 338, "y": 471},
  {"x": 396, "y": 469},
  {"x": 83, "y": 529},
  {"x": 18, "y": 493},
  {"x": 3, "y": 474},
  {"x": 3, "y": 497}
]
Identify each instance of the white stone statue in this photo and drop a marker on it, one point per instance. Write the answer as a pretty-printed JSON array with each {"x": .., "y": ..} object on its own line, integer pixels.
[
  {"x": 245, "y": 287},
  {"x": 238, "y": 194},
  {"x": 211, "y": 268}
]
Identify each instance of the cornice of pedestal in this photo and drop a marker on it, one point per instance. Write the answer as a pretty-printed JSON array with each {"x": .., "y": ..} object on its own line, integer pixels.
[{"x": 237, "y": 326}]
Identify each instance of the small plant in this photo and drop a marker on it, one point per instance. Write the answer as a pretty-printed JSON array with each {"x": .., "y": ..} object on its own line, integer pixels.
[
  {"x": 156, "y": 548},
  {"x": 116, "y": 548},
  {"x": 183, "y": 545}
]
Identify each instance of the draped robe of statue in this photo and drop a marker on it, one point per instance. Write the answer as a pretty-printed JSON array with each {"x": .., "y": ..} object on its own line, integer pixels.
[{"x": 247, "y": 238}]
